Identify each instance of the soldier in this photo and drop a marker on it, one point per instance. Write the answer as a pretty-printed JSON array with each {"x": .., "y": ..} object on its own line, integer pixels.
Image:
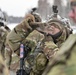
[
  {"x": 72, "y": 13},
  {"x": 63, "y": 63},
  {"x": 3, "y": 32},
  {"x": 54, "y": 36},
  {"x": 18, "y": 35},
  {"x": 62, "y": 29},
  {"x": 56, "y": 32}
]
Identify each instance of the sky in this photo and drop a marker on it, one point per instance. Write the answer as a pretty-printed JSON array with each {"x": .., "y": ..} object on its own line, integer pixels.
[{"x": 17, "y": 7}]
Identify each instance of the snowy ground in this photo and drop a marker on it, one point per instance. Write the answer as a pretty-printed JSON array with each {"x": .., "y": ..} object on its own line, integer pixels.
[{"x": 12, "y": 25}]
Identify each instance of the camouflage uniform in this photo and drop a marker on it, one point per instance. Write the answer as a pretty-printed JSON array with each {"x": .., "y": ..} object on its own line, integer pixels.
[
  {"x": 49, "y": 48},
  {"x": 3, "y": 69},
  {"x": 37, "y": 58},
  {"x": 18, "y": 35},
  {"x": 55, "y": 44},
  {"x": 4, "y": 30},
  {"x": 63, "y": 63}
]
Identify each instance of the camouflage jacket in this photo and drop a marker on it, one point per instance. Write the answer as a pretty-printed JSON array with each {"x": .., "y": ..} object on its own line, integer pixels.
[
  {"x": 3, "y": 34},
  {"x": 63, "y": 63},
  {"x": 3, "y": 68}
]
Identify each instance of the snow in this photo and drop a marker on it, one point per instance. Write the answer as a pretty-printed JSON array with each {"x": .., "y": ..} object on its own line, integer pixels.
[
  {"x": 12, "y": 25},
  {"x": 74, "y": 29}
]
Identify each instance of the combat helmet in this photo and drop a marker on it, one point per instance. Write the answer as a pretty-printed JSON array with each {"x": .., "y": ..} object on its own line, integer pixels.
[
  {"x": 2, "y": 18},
  {"x": 36, "y": 15},
  {"x": 64, "y": 29}
]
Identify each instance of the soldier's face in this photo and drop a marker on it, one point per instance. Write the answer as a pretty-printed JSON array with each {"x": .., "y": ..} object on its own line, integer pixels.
[
  {"x": 72, "y": 13},
  {"x": 53, "y": 30}
]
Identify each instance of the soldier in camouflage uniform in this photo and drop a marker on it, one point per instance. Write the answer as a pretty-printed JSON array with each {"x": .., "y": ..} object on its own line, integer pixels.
[
  {"x": 54, "y": 36},
  {"x": 63, "y": 63},
  {"x": 4, "y": 30},
  {"x": 62, "y": 32},
  {"x": 18, "y": 35},
  {"x": 3, "y": 33},
  {"x": 59, "y": 31}
]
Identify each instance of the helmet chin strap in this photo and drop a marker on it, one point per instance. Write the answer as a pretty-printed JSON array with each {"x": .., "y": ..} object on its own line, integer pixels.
[{"x": 55, "y": 36}]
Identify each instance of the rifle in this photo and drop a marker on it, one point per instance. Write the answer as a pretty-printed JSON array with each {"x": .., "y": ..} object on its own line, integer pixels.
[{"x": 24, "y": 50}]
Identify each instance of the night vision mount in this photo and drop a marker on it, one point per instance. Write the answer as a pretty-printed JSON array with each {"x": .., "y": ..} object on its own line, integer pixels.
[{"x": 54, "y": 8}]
